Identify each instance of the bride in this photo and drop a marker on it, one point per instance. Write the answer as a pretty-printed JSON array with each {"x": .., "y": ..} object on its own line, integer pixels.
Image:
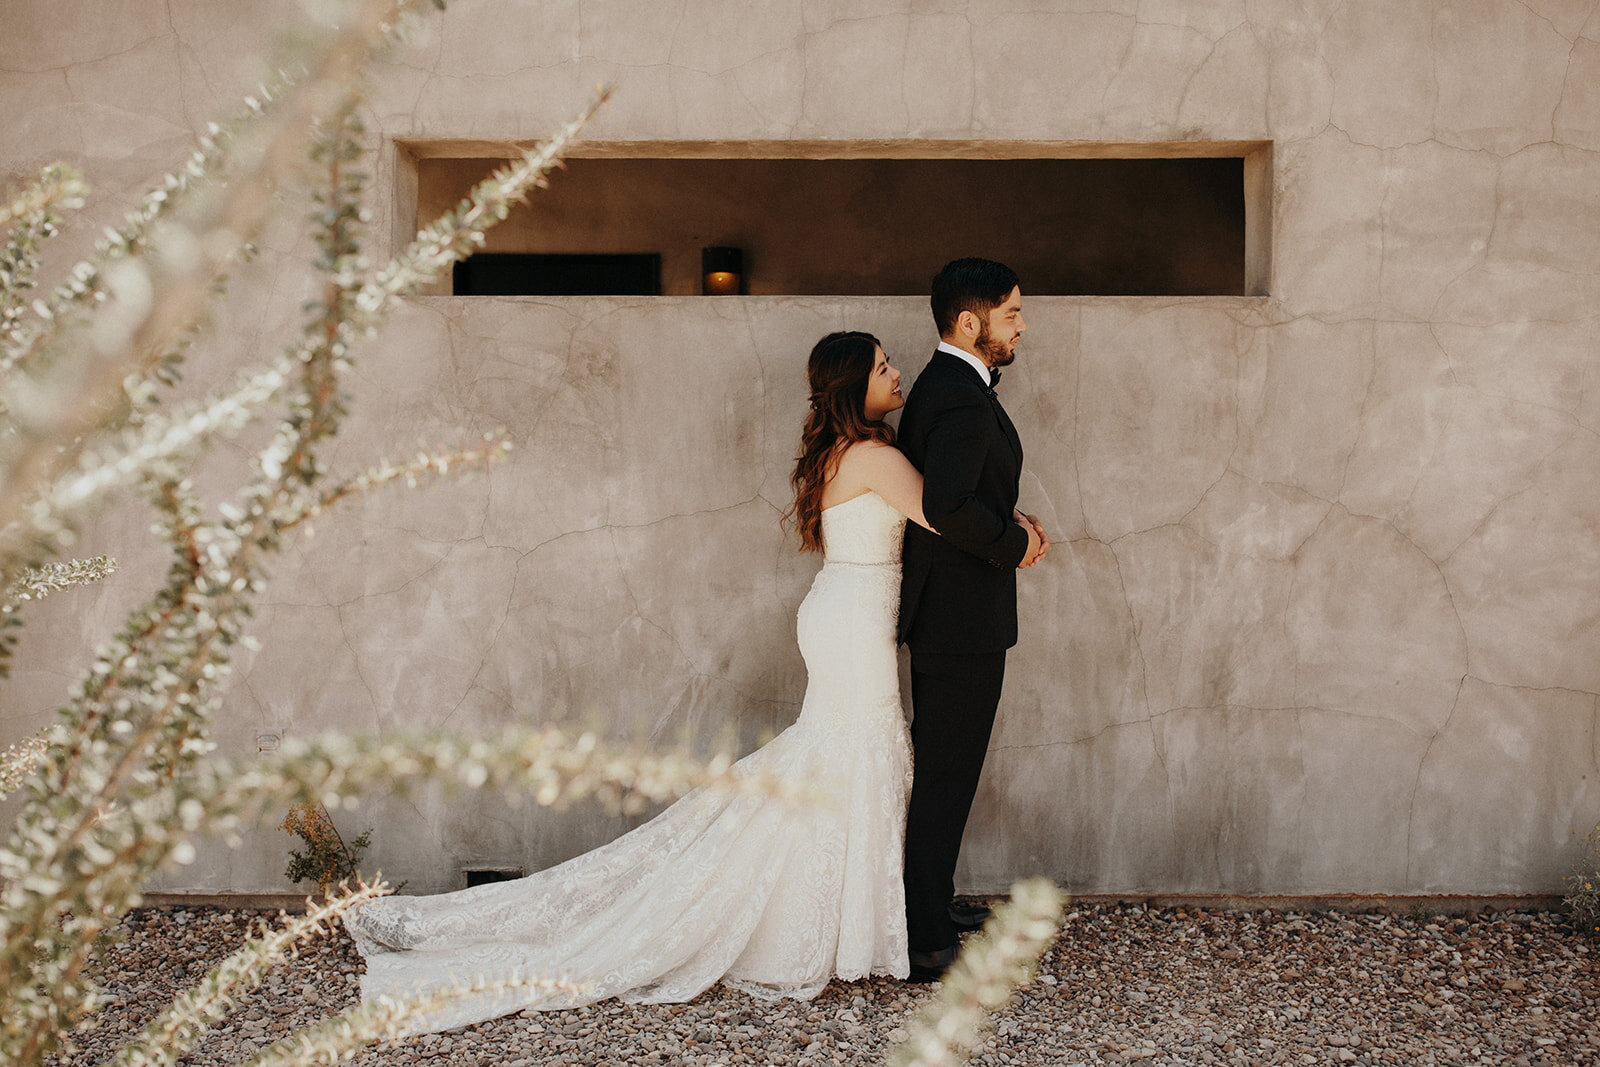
[{"x": 769, "y": 896}]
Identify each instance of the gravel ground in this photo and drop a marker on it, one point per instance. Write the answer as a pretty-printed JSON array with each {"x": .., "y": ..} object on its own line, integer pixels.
[{"x": 1123, "y": 983}]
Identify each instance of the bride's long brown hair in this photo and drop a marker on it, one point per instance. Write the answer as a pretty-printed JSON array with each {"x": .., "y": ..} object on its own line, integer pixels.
[{"x": 838, "y": 370}]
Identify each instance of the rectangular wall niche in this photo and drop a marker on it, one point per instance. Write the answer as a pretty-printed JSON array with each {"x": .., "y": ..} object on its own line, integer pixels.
[
  {"x": 884, "y": 226},
  {"x": 558, "y": 274}
]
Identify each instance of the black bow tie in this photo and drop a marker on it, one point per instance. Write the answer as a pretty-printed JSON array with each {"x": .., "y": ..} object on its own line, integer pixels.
[{"x": 994, "y": 378}]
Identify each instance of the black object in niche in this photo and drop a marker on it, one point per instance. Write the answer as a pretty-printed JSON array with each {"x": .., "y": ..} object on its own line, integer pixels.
[
  {"x": 558, "y": 274},
  {"x": 485, "y": 875}
]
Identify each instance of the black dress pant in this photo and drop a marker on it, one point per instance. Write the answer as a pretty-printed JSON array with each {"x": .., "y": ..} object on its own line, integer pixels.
[{"x": 953, "y": 701}]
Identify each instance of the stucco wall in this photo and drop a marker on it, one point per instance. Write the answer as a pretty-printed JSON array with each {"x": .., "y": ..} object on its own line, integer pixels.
[{"x": 1322, "y": 614}]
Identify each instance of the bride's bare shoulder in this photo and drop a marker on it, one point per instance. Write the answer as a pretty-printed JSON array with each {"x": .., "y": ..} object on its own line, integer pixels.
[
  {"x": 858, "y": 468},
  {"x": 868, "y": 457},
  {"x": 868, "y": 452}
]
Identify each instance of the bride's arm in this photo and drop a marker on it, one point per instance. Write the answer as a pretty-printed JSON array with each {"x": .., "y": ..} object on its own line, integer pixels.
[{"x": 886, "y": 471}]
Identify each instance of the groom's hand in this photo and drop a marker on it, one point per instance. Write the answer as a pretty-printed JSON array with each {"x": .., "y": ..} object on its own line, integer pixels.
[
  {"x": 1036, "y": 546},
  {"x": 1044, "y": 538},
  {"x": 1036, "y": 531}
]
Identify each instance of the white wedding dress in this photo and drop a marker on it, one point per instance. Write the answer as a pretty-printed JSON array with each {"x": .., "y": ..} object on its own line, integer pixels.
[{"x": 771, "y": 896}]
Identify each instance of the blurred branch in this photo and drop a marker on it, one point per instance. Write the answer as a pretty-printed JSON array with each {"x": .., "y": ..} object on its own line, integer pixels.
[
  {"x": 33, "y": 219},
  {"x": 335, "y": 1039},
  {"x": 121, "y": 788},
  {"x": 148, "y": 305},
  {"x": 983, "y": 977},
  {"x": 550, "y": 766},
  {"x": 36, "y": 583},
  {"x": 385, "y": 473},
  {"x": 181, "y": 1027},
  {"x": 57, "y": 186},
  {"x": 18, "y": 761}
]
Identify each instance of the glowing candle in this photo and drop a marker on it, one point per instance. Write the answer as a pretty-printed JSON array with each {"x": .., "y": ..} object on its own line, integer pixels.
[{"x": 722, "y": 271}]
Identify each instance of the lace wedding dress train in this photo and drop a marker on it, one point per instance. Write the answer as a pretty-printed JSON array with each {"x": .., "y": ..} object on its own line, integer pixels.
[{"x": 770, "y": 896}]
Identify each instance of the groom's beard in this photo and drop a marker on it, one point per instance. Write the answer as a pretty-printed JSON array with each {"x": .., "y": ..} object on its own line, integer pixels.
[{"x": 991, "y": 351}]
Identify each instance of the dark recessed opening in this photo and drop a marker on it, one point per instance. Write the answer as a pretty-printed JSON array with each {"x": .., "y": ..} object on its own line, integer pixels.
[
  {"x": 880, "y": 226},
  {"x": 485, "y": 875},
  {"x": 558, "y": 274}
]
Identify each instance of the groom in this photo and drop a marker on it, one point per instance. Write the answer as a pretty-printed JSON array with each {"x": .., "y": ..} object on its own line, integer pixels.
[{"x": 958, "y": 598}]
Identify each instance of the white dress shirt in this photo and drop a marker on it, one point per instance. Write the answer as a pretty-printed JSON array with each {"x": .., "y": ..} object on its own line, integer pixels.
[{"x": 946, "y": 346}]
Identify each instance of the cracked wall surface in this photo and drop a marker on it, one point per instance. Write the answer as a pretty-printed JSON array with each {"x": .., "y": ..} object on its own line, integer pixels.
[{"x": 1324, "y": 610}]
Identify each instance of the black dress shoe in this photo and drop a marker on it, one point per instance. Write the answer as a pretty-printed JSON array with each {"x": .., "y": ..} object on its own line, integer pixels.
[
  {"x": 968, "y": 916},
  {"x": 930, "y": 966}
]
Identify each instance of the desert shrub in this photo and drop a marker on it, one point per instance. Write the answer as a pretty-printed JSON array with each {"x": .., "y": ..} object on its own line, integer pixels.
[
  {"x": 328, "y": 859},
  {"x": 122, "y": 784},
  {"x": 1583, "y": 888}
]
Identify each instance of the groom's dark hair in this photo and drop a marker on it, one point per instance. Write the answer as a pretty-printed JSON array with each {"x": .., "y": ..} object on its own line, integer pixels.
[{"x": 972, "y": 284}]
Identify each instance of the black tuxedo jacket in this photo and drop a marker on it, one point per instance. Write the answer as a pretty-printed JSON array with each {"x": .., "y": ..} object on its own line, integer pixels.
[{"x": 958, "y": 590}]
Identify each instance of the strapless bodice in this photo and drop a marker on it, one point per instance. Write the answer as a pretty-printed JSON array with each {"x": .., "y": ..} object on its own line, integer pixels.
[{"x": 863, "y": 529}]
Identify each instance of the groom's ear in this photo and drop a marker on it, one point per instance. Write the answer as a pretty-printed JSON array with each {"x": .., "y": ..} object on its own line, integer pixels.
[{"x": 967, "y": 323}]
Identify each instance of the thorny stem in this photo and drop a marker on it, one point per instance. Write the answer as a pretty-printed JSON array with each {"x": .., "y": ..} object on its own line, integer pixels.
[
  {"x": 377, "y": 477},
  {"x": 53, "y": 446},
  {"x": 257, "y": 536},
  {"x": 180, "y": 1027},
  {"x": 170, "y": 493},
  {"x": 196, "y": 615},
  {"x": 320, "y": 386},
  {"x": 376, "y": 294},
  {"x": 41, "y": 195}
]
